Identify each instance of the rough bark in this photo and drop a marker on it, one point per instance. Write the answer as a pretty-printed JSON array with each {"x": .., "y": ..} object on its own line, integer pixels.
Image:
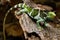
[
  {"x": 31, "y": 3},
  {"x": 30, "y": 28}
]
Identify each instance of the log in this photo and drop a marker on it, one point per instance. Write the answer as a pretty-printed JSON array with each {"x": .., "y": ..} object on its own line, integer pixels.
[{"x": 32, "y": 32}]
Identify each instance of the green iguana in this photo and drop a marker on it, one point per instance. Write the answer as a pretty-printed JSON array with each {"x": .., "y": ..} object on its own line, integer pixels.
[
  {"x": 39, "y": 15},
  {"x": 36, "y": 12}
]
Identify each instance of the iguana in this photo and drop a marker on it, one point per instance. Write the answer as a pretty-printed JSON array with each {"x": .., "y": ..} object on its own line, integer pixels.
[
  {"x": 35, "y": 11},
  {"x": 39, "y": 15}
]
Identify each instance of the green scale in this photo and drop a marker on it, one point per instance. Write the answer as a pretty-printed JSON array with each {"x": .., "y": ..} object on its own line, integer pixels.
[{"x": 37, "y": 14}]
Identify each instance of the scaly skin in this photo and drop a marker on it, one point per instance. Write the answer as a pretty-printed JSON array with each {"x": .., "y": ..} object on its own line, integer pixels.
[
  {"x": 36, "y": 14},
  {"x": 33, "y": 13}
]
